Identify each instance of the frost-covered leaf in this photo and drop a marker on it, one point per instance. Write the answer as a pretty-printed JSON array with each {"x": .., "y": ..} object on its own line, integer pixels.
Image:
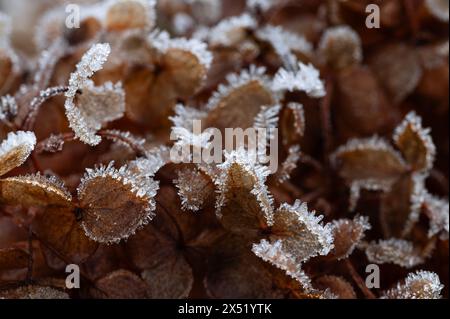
[
  {"x": 33, "y": 292},
  {"x": 185, "y": 116},
  {"x": 341, "y": 47},
  {"x": 397, "y": 66},
  {"x": 437, "y": 210},
  {"x": 15, "y": 149},
  {"x": 231, "y": 31},
  {"x": 284, "y": 42},
  {"x": 170, "y": 279},
  {"x": 130, "y": 14},
  {"x": 115, "y": 202},
  {"x": 244, "y": 203},
  {"x": 59, "y": 228},
  {"x": 400, "y": 207},
  {"x": 91, "y": 62},
  {"x": 371, "y": 159},
  {"x": 34, "y": 190},
  {"x": 236, "y": 104},
  {"x": 394, "y": 251},
  {"x": 13, "y": 258},
  {"x": 195, "y": 189},
  {"x": 415, "y": 143},
  {"x": 306, "y": 79},
  {"x": 438, "y": 8},
  {"x": 369, "y": 185},
  {"x": 418, "y": 285},
  {"x": 120, "y": 284},
  {"x": 338, "y": 286},
  {"x": 289, "y": 164},
  {"x": 300, "y": 232},
  {"x": 347, "y": 234},
  {"x": 153, "y": 161}
]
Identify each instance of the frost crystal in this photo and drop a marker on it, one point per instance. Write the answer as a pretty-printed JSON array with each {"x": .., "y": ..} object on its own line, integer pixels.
[
  {"x": 15, "y": 149},
  {"x": 184, "y": 116},
  {"x": 306, "y": 79},
  {"x": 289, "y": 164},
  {"x": 283, "y": 41},
  {"x": 268, "y": 119},
  {"x": 163, "y": 43},
  {"x": 247, "y": 161},
  {"x": 355, "y": 229},
  {"x": 369, "y": 185},
  {"x": 437, "y": 210},
  {"x": 418, "y": 285},
  {"x": 8, "y": 108},
  {"x": 229, "y": 31},
  {"x": 274, "y": 254},
  {"x": 235, "y": 81},
  {"x": 148, "y": 166},
  {"x": 439, "y": 9},
  {"x": 394, "y": 251},
  {"x": 414, "y": 122},
  {"x": 191, "y": 188},
  {"x": 91, "y": 62},
  {"x": 299, "y": 116}
]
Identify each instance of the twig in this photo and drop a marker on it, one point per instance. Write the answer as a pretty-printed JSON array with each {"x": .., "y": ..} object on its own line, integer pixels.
[{"x": 358, "y": 280}]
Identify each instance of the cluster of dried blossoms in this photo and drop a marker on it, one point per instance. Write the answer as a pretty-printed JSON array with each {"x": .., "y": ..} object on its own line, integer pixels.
[{"x": 87, "y": 177}]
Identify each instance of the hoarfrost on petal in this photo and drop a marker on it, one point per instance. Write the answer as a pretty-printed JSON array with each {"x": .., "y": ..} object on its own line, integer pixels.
[{"x": 306, "y": 79}]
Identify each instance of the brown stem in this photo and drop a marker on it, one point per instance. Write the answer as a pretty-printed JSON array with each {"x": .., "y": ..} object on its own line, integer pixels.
[
  {"x": 358, "y": 280},
  {"x": 29, "y": 277}
]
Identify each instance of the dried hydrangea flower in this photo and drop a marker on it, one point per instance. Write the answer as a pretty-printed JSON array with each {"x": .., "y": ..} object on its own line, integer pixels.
[
  {"x": 395, "y": 251},
  {"x": 347, "y": 235},
  {"x": 438, "y": 8},
  {"x": 194, "y": 188},
  {"x": 83, "y": 120},
  {"x": 418, "y": 285},
  {"x": 15, "y": 150},
  {"x": 341, "y": 47},
  {"x": 109, "y": 221},
  {"x": 306, "y": 79},
  {"x": 415, "y": 143}
]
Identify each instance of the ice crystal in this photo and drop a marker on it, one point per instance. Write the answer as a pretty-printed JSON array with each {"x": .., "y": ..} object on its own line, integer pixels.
[
  {"x": 163, "y": 43},
  {"x": 418, "y": 285},
  {"x": 184, "y": 116},
  {"x": 8, "y": 108},
  {"x": 284, "y": 42},
  {"x": 149, "y": 165},
  {"x": 289, "y": 164},
  {"x": 125, "y": 138},
  {"x": 54, "y": 143},
  {"x": 229, "y": 31},
  {"x": 369, "y": 185},
  {"x": 235, "y": 81},
  {"x": 247, "y": 161},
  {"x": 91, "y": 62},
  {"x": 437, "y": 210},
  {"x": 348, "y": 234},
  {"x": 15, "y": 149},
  {"x": 299, "y": 117},
  {"x": 413, "y": 122},
  {"x": 191, "y": 186},
  {"x": 306, "y": 79},
  {"x": 394, "y": 251},
  {"x": 439, "y": 9},
  {"x": 309, "y": 237},
  {"x": 268, "y": 119},
  {"x": 274, "y": 254}
]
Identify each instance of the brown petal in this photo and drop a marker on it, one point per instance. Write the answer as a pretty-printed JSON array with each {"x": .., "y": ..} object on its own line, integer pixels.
[
  {"x": 172, "y": 278},
  {"x": 59, "y": 229},
  {"x": 13, "y": 258},
  {"x": 337, "y": 286},
  {"x": 124, "y": 15},
  {"x": 33, "y": 292},
  {"x": 120, "y": 284}
]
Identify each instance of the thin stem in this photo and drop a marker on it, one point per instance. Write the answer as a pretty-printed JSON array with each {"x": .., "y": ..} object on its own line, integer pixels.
[
  {"x": 358, "y": 280},
  {"x": 30, "y": 255}
]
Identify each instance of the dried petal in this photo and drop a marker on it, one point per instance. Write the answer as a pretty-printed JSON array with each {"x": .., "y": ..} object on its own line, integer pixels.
[
  {"x": 231, "y": 31},
  {"x": 418, "y": 285},
  {"x": 34, "y": 190},
  {"x": 131, "y": 14},
  {"x": 395, "y": 251},
  {"x": 415, "y": 143},
  {"x": 33, "y": 292},
  {"x": 15, "y": 150},
  {"x": 120, "y": 284},
  {"x": 13, "y": 258},
  {"x": 368, "y": 159},
  {"x": 115, "y": 203},
  {"x": 338, "y": 286},
  {"x": 194, "y": 188},
  {"x": 347, "y": 235}
]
